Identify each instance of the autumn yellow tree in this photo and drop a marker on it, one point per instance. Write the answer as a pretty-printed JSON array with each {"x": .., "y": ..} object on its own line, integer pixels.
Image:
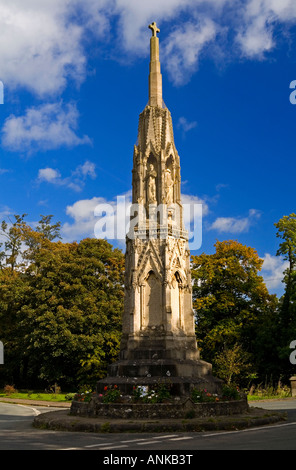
[{"x": 232, "y": 304}]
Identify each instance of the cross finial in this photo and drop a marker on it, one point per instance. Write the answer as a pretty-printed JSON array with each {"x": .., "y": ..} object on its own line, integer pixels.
[{"x": 154, "y": 28}]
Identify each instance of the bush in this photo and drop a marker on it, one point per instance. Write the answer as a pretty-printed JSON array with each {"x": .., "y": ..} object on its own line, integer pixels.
[
  {"x": 112, "y": 394},
  {"x": 230, "y": 393},
  {"x": 84, "y": 396},
  {"x": 269, "y": 391},
  {"x": 70, "y": 396},
  {"x": 159, "y": 393},
  {"x": 199, "y": 396},
  {"x": 9, "y": 389}
]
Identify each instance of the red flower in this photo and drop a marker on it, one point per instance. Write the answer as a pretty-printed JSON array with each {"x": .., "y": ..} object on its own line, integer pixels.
[
  {"x": 105, "y": 388},
  {"x": 115, "y": 386}
]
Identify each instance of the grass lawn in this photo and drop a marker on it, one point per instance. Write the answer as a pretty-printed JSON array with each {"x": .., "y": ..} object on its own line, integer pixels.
[
  {"x": 56, "y": 397},
  {"x": 267, "y": 397}
]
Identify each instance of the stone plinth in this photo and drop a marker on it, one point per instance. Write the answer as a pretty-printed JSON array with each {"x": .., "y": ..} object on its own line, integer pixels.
[
  {"x": 180, "y": 386},
  {"x": 293, "y": 385},
  {"x": 184, "y": 409},
  {"x": 161, "y": 359},
  {"x": 181, "y": 375}
]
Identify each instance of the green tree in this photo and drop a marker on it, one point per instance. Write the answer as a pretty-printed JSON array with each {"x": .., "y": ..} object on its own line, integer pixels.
[
  {"x": 12, "y": 234},
  {"x": 60, "y": 306},
  {"x": 232, "y": 363},
  {"x": 286, "y": 231},
  {"x": 12, "y": 293},
  {"x": 18, "y": 239},
  {"x": 72, "y": 312},
  {"x": 232, "y": 304}
]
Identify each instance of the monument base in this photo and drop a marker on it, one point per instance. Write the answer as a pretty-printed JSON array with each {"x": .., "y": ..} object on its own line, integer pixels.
[
  {"x": 183, "y": 409},
  {"x": 160, "y": 359},
  {"x": 133, "y": 387},
  {"x": 127, "y": 375}
]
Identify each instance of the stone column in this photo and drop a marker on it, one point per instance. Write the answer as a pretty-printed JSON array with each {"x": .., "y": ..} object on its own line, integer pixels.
[
  {"x": 293, "y": 385},
  {"x": 155, "y": 78}
]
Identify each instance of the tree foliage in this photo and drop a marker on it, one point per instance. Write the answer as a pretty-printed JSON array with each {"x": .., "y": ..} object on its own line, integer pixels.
[
  {"x": 61, "y": 305},
  {"x": 286, "y": 231},
  {"x": 61, "y": 309},
  {"x": 232, "y": 304}
]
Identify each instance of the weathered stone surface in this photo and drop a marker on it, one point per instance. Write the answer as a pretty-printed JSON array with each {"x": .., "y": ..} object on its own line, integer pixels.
[
  {"x": 176, "y": 410},
  {"x": 158, "y": 342},
  {"x": 179, "y": 386},
  {"x": 293, "y": 385},
  {"x": 158, "y": 333}
]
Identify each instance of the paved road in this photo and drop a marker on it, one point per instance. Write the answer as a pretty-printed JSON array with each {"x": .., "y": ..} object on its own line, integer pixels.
[{"x": 17, "y": 433}]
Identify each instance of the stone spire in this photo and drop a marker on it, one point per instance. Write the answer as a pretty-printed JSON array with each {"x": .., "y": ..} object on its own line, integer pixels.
[
  {"x": 155, "y": 78},
  {"x": 158, "y": 330}
]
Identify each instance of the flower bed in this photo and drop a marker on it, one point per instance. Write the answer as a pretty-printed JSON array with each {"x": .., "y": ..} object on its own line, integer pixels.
[
  {"x": 157, "y": 403},
  {"x": 158, "y": 393}
]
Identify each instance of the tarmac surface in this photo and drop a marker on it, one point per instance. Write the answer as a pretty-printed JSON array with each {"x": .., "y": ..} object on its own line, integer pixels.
[
  {"x": 23, "y": 401},
  {"x": 62, "y": 420}
]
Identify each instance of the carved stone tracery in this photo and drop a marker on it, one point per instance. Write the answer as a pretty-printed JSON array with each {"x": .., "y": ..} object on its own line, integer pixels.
[{"x": 158, "y": 333}]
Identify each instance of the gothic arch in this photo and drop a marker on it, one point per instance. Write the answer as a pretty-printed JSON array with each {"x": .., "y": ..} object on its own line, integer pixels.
[
  {"x": 170, "y": 162},
  {"x": 177, "y": 299},
  {"x": 152, "y": 300},
  {"x": 178, "y": 277},
  {"x": 151, "y": 160},
  {"x": 149, "y": 261}
]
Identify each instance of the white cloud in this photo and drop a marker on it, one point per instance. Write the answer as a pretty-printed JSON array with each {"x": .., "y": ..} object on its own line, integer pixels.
[
  {"x": 39, "y": 47},
  {"x": 134, "y": 17},
  {"x": 87, "y": 169},
  {"x": 76, "y": 181},
  {"x": 183, "y": 47},
  {"x": 87, "y": 215},
  {"x": 82, "y": 212},
  {"x": 218, "y": 27},
  {"x": 43, "y": 43},
  {"x": 255, "y": 31},
  {"x": 46, "y": 127},
  {"x": 235, "y": 224},
  {"x": 5, "y": 211},
  {"x": 49, "y": 174},
  {"x": 189, "y": 199},
  {"x": 272, "y": 270},
  {"x": 100, "y": 215},
  {"x": 185, "y": 125}
]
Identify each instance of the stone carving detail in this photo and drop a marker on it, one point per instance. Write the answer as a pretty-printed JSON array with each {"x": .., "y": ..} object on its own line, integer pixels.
[
  {"x": 151, "y": 185},
  {"x": 169, "y": 187},
  {"x": 158, "y": 295},
  {"x": 152, "y": 304},
  {"x": 149, "y": 259},
  {"x": 158, "y": 332}
]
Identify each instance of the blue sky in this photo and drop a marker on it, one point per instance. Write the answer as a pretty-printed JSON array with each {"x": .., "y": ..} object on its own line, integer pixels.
[{"x": 75, "y": 78}]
